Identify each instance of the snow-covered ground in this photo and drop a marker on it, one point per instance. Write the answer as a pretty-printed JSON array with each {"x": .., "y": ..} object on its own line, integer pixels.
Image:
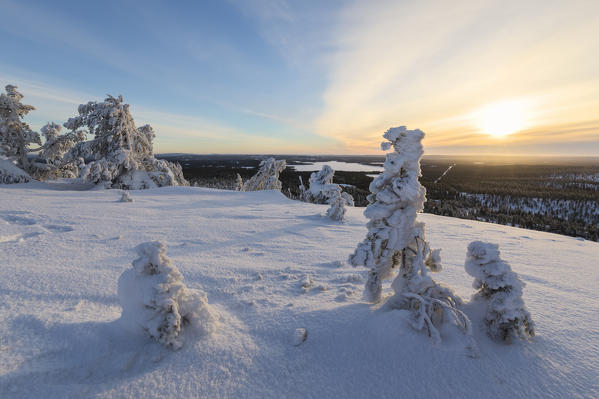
[{"x": 269, "y": 266}]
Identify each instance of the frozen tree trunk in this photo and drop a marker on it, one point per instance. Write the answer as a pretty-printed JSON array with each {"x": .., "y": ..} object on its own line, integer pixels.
[
  {"x": 396, "y": 241},
  {"x": 267, "y": 177},
  {"x": 500, "y": 288},
  {"x": 157, "y": 303}
]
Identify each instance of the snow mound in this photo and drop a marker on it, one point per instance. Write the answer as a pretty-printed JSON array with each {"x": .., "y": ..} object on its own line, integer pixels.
[
  {"x": 155, "y": 300},
  {"x": 10, "y": 173}
]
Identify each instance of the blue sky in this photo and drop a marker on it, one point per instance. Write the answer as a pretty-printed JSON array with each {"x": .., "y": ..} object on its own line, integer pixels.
[{"x": 262, "y": 76}]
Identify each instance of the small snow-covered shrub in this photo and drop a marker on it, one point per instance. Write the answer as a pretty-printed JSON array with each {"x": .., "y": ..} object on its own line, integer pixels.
[
  {"x": 267, "y": 177},
  {"x": 322, "y": 189},
  {"x": 506, "y": 317},
  {"x": 156, "y": 302},
  {"x": 396, "y": 241},
  {"x": 338, "y": 200},
  {"x": 320, "y": 181},
  {"x": 126, "y": 197}
]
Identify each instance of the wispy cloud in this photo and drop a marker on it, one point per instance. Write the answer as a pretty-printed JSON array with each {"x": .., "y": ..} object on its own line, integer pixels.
[{"x": 430, "y": 64}]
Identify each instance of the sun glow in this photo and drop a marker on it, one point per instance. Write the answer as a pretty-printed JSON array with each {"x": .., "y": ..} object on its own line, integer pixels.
[{"x": 502, "y": 118}]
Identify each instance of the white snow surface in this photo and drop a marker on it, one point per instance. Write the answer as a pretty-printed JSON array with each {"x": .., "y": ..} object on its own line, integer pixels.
[{"x": 62, "y": 252}]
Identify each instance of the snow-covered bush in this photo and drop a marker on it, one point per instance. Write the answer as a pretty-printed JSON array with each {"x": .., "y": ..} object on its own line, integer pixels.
[
  {"x": 338, "y": 200},
  {"x": 500, "y": 288},
  {"x": 267, "y": 177},
  {"x": 9, "y": 173},
  {"x": 396, "y": 240},
  {"x": 322, "y": 190},
  {"x": 126, "y": 197},
  {"x": 16, "y": 135},
  {"x": 320, "y": 186},
  {"x": 122, "y": 154},
  {"x": 156, "y": 302}
]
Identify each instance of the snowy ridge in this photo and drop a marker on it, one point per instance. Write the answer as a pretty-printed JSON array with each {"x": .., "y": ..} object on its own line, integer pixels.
[{"x": 269, "y": 267}]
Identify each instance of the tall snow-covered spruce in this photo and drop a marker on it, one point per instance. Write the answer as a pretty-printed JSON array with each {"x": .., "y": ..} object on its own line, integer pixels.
[
  {"x": 500, "y": 288},
  {"x": 156, "y": 302},
  {"x": 396, "y": 241},
  {"x": 122, "y": 153},
  {"x": 267, "y": 177}
]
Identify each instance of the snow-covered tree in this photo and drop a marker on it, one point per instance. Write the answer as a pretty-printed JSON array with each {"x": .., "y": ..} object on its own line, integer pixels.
[
  {"x": 156, "y": 302},
  {"x": 122, "y": 154},
  {"x": 238, "y": 183},
  {"x": 56, "y": 145},
  {"x": 500, "y": 288},
  {"x": 16, "y": 135},
  {"x": 320, "y": 183},
  {"x": 267, "y": 177},
  {"x": 322, "y": 190},
  {"x": 396, "y": 241},
  {"x": 53, "y": 152},
  {"x": 338, "y": 200}
]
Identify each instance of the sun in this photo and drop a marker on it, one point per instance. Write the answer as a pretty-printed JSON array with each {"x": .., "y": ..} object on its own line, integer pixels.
[{"x": 502, "y": 118}]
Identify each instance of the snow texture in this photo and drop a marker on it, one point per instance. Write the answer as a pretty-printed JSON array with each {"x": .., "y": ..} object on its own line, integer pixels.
[
  {"x": 500, "y": 288},
  {"x": 155, "y": 300},
  {"x": 122, "y": 154},
  {"x": 267, "y": 177},
  {"x": 62, "y": 251}
]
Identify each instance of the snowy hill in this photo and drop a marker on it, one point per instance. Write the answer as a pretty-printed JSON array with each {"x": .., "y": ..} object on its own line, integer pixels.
[{"x": 269, "y": 266}]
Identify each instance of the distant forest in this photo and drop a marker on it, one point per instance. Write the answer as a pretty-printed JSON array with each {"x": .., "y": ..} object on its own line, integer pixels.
[{"x": 558, "y": 196}]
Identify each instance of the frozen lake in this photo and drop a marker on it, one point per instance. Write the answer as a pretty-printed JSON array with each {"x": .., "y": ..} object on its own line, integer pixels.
[{"x": 337, "y": 165}]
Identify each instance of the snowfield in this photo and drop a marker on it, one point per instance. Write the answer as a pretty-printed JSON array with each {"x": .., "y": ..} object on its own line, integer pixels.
[{"x": 270, "y": 267}]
